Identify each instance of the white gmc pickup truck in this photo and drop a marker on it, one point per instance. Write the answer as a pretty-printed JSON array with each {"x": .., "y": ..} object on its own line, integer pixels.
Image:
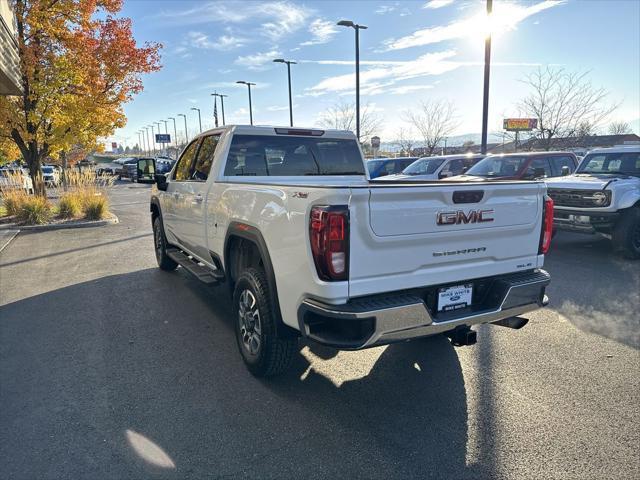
[{"x": 311, "y": 247}]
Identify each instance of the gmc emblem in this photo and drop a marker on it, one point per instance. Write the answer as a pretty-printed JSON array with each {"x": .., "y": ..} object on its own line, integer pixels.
[{"x": 458, "y": 217}]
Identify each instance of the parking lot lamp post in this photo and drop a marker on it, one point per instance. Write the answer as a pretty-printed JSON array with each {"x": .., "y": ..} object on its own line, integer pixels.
[
  {"x": 222, "y": 105},
  {"x": 199, "y": 117},
  {"x": 248, "y": 84},
  {"x": 186, "y": 135},
  {"x": 175, "y": 135},
  {"x": 288, "y": 62},
  {"x": 148, "y": 140},
  {"x": 357, "y": 28},
  {"x": 487, "y": 69},
  {"x": 153, "y": 139}
]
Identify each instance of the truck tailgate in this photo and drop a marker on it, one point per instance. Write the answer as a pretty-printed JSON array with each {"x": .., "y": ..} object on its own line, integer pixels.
[{"x": 406, "y": 236}]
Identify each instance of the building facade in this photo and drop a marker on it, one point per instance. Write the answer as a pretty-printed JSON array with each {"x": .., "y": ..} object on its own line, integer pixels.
[{"x": 9, "y": 60}]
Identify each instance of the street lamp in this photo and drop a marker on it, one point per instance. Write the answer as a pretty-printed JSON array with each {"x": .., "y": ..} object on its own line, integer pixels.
[
  {"x": 221, "y": 103},
  {"x": 288, "y": 62},
  {"x": 199, "y": 118},
  {"x": 175, "y": 135},
  {"x": 148, "y": 140},
  {"x": 357, "y": 28},
  {"x": 487, "y": 68},
  {"x": 186, "y": 135},
  {"x": 248, "y": 84},
  {"x": 153, "y": 138}
]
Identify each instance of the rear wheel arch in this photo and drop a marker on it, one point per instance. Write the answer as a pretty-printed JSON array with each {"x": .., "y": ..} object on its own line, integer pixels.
[{"x": 244, "y": 247}]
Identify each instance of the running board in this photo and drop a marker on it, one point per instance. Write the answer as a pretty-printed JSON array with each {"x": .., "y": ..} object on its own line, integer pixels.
[{"x": 193, "y": 266}]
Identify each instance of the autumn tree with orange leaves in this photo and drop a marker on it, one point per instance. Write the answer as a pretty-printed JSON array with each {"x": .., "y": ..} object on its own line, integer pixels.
[{"x": 79, "y": 65}]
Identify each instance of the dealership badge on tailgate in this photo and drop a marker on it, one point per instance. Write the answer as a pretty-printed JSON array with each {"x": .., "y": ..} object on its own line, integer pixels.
[{"x": 453, "y": 298}]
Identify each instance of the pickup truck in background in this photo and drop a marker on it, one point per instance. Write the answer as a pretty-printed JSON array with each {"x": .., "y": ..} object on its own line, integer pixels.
[
  {"x": 602, "y": 197},
  {"x": 310, "y": 246}
]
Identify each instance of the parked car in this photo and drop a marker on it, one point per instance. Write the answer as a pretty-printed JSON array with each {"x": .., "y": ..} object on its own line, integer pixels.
[
  {"x": 164, "y": 165},
  {"x": 127, "y": 169},
  {"x": 435, "y": 168},
  {"x": 380, "y": 167},
  {"x": 522, "y": 166},
  {"x": 15, "y": 179},
  {"x": 107, "y": 169},
  {"x": 311, "y": 248},
  {"x": 602, "y": 197},
  {"x": 50, "y": 175}
]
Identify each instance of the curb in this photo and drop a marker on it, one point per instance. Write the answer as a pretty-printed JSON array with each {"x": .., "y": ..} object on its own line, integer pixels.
[{"x": 60, "y": 226}]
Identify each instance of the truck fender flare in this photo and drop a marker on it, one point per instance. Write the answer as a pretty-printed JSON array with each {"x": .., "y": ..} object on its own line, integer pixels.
[
  {"x": 629, "y": 199},
  {"x": 252, "y": 234},
  {"x": 155, "y": 204}
]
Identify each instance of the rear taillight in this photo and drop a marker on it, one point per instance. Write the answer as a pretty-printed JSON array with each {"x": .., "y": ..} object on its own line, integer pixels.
[
  {"x": 547, "y": 226},
  {"x": 329, "y": 236}
]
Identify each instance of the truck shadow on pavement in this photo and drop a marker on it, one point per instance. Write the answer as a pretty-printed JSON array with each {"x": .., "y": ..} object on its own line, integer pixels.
[
  {"x": 596, "y": 290},
  {"x": 138, "y": 376}
]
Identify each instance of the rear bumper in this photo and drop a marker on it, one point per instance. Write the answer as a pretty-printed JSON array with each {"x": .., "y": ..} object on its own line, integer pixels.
[{"x": 381, "y": 319}]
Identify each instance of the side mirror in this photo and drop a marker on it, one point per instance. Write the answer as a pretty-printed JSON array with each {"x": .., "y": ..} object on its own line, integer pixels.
[
  {"x": 464, "y": 170},
  {"x": 161, "y": 181},
  {"x": 146, "y": 170},
  {"x": 565, "y": 170},
  {"x": 539, "y": 172}
]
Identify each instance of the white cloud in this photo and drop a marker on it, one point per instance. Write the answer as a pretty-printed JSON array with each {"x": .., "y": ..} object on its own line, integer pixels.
[
  {"x": 409, "y": 89},
  {"x": 224, "y": 42},
  {"x": 322, "y": 31},
  {"x": 276, "y": 18},
  {"x": 386, "y": 74},
  {"x": 277, "y": 108},
  {"x": 384, "y": 9},
  {"x": 437, "y": 4},
  {"x": 505, "y": 17},
  {"x": 257, "y": 61}
]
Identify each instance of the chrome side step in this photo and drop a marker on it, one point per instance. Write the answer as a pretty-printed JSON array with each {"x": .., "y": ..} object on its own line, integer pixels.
[{"x": 193, "y": 266}]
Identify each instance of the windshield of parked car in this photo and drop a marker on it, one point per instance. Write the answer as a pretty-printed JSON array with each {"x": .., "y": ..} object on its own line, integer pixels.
[
  {"x": 497, "y": 166},
  {"x": 423, "y": 166},
  {"x": 626, "y": 163},
  {"x": 47, "y": 169},
  {"x": 286, "y": 156},
  {"x": 375, "y": 165}
]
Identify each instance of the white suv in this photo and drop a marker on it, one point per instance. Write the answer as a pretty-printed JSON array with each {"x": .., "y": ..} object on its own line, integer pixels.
[{"x": 603, "y": 197}]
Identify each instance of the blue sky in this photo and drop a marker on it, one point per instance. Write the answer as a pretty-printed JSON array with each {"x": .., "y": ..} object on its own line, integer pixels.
[{"x": 412, "y": 51}]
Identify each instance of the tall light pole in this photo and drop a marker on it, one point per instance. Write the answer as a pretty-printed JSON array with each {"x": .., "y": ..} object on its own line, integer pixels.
[
  {"x": 148, "y": 140},
  {"x": 162, "y": 144},
  {"x": 175, "y": 135},
  {"x": 288, "y": 62},
  {"x": 199, "y": 118},
  {"x": 248, "y": 84},
  {"x": 357, "y": 28},
  {"x": 222, "y": 105},
  {"x": 487, "y": 68},
  {"x": 139, "y": 142},
  {"x": 186, "y": 135},
  {"x": 144, "y": 141},
  {"x": 153, "y": 138}
]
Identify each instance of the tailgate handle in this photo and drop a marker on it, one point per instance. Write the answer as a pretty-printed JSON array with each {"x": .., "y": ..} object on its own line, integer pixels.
[{"x": 468, "y": 196}]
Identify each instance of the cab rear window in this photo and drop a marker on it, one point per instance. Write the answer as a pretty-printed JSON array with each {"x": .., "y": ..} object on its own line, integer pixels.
[{"x": 284, "y": 156}]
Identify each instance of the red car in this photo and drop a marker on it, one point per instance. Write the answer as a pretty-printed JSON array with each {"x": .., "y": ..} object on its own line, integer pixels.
[{"x": 522, "y": 166}]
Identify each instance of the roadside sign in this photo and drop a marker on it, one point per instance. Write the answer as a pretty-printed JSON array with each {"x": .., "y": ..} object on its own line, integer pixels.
[
  {"x": 114, "y": 145},
  {"x": 375, "y": 142},
  {"x": 163, "y": 138},
  {"x": 519, "y": 124}
]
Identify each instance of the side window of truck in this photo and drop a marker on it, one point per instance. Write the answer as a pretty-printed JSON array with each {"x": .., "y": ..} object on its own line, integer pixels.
[
  {"x": 183, "y": 168},
  {"x": 204, "y": 161},
  {"x": 539, "y": 163},
  {"x": 558, "y": 162}
]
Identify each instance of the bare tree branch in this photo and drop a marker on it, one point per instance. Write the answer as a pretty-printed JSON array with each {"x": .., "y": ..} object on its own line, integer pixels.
[
  {"x": 342, "y": 116},
  {"x": 434, "y": 120},
  {"x": 619, "y": 128},
  {"x": 565, "y": 104}
]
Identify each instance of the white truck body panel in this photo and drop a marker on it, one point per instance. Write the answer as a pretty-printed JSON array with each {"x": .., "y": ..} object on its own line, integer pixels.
[{"x": 395, "y": 243}]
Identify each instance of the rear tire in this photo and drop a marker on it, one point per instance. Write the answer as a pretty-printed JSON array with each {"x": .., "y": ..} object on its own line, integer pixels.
[
  {"x": 626, "y": 234},
  {"x": 160, "y": 247},
  {"x": 263, "y": 351}
]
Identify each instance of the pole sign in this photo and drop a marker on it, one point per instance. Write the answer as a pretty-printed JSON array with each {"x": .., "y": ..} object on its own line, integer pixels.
[
  {"x": 375, "y": 142},
  {"x": 114, "y": 146},
  {"x": 519, "y": 124},
  {"x": 163, "y": 138}
]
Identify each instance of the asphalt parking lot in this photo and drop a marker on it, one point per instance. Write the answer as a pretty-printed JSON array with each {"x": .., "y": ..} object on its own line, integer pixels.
[{"x": 111, "y": 368}]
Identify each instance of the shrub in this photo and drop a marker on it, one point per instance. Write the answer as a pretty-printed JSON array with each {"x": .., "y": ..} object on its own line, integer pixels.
[
  {"x": 95, "y": 207},
  {"x": 70, "y": 205},
  {"x": 13, "y": 200},
  {"x": 35, "y": 210}
]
